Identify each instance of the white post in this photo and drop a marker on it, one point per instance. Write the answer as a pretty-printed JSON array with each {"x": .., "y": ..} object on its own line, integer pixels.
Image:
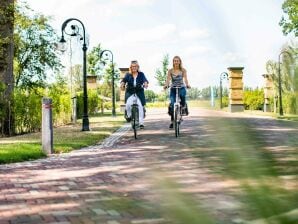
[{"x": 47, "y": 126}]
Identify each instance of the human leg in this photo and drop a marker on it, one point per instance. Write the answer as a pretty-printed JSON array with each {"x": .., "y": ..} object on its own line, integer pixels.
[
  {"x": 128, "y": 104},
  {"x": 141, "y": 112},
  {"x": 183, "y": 101},
  {"x": 171, "y": 106}
]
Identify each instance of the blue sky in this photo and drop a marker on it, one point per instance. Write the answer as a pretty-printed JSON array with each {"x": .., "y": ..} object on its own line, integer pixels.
[{"x": 209, "y": 35}]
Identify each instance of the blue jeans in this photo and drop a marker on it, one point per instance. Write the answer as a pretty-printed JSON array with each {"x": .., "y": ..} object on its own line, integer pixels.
[{"x": 182, "y": 94}]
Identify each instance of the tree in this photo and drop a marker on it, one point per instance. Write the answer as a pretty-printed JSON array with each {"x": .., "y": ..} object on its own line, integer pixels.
[
  {"x": 161, "y": 74},
  {"x": 35, "y": 51},
  {"x": 77, "y": 77},
  {"x": 94, "y": 60},
  {"x": 194, "y": 93},
  {"x": 150, "y": 95},
  {"x": 289, "y": 22},
  {"x": 6, "y": 66}
]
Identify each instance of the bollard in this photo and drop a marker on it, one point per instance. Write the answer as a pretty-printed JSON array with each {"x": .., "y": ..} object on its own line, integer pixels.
[{"x": 47, "y": 126}]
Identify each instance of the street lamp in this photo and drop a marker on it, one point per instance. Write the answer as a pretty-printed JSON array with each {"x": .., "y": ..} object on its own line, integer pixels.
[
  {"x": 281, "y": 112},
  {"x": 109, "y": 54},
  {"x": 75, "y": 32},
  {"x": 223, "y": 75}
]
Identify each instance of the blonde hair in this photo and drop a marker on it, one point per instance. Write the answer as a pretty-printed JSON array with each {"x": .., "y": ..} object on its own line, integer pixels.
[
  {"x": 134, "y": 62},
  {"x": 180, "y": 65}
]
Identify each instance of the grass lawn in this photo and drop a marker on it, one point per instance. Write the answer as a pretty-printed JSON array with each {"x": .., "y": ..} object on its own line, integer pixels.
[{"x": 66, "y": 138}]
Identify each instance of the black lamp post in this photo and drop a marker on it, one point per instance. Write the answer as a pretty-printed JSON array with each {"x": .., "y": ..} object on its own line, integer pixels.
[
  {"x": 85, "y": 123},
  {"x": 109, "y": 54},
  {"x": 281, "y": 112},
  {"x": 223, "y": 75}
]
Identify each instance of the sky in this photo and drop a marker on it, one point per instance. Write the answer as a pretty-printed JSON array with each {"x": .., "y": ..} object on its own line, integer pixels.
[{"x": 209, "y": 35}]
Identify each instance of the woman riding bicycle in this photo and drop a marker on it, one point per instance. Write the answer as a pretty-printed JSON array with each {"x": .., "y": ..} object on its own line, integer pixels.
[
  {"x": 135, "y": 82},
  {"x": 178, "y": 77}
]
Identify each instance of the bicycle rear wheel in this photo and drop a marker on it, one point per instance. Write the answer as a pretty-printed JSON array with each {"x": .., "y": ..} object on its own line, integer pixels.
[{"x": 176, "y": 121}]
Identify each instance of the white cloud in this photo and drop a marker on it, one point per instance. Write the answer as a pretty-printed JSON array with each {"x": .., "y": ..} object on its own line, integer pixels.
[
  {"x": 130, "y": 3},
  {"x": 195, "y": 50},
  {"x": 234, "y": 59},
  {"x": 152, "y": 34},
  {"x": 194, "y": 34}
]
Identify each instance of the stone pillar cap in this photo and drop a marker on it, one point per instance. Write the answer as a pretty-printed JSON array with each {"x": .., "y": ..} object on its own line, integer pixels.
[{"x": 235, "y": 68}]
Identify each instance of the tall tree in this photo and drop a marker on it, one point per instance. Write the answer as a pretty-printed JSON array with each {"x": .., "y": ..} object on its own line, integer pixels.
[
  {"x": 161, "y": 73},
  {"x": 289, "y": 21},
  {"x": 35, "y": 51},
  {"x": 6, "y": 66},
  {"x": 94, "y": 60}
]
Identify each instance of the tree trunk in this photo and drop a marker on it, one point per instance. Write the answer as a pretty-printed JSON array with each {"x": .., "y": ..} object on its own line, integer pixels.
[{"x": 6, "y": 66}]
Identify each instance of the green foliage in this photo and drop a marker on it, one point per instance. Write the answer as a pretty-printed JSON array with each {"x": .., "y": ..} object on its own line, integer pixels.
[
  {"x": 161, "y": 74},
  {"x": 288, "y": 74},
  {"x": 76, "y": 76},
  {"x": 290, "y": 103},
  {"x": 193, "y": 93},
  {"x": 94, "y": 60},
  {"x": 253, "y": 99},
  {"x": 206, "y": 93},
  {"x": 150, "y": 96},
  {"x": 6, "y": 24},
  {"x": 289, "y": 21},
  {"x": 27, "y": 110},
  {"x": 35, "y": 51},
  {"x": 28, "y": 106},
  {"x": 94, "y": 102},
  {"x": 61, "y": 99}
]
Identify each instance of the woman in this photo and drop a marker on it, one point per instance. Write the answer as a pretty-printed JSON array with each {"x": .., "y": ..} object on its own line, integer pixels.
[
  {"x": 178, "y": 77},
  {"x": 135, "y": 78}
]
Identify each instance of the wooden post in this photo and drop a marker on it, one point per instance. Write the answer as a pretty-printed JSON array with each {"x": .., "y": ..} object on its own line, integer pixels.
[{"x": 47, "y": 126}]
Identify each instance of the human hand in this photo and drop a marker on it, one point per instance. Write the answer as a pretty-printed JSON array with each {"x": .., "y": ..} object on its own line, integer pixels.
[
  {"x": 188, "y": 86},
  {"x": 145, "y": 85}
]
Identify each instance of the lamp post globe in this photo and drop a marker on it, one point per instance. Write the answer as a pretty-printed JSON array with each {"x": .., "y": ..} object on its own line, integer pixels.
[
  {"x": 85, "y": 118},
  {"x": 223, "y": 75}
]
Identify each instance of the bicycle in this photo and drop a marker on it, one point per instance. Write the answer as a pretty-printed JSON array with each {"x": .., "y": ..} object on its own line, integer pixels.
[
  {"x": 177, "y": 112},
  {"x": 135, "y": 110}
]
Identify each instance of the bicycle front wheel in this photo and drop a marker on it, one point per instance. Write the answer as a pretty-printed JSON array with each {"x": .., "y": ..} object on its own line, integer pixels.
[
  {"x": 134, "y": 115},
  {"x": 176, "y": 121}
]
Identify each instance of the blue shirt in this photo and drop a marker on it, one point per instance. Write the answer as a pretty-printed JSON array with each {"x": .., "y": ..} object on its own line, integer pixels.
[{"x": 140, "y": 80}]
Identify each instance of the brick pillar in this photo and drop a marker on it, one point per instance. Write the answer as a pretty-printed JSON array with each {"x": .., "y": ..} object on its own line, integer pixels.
[
  {"x": 236, "y": 89},
  {"x": 123, "y": 71},
  {"x": 268, "y": 91}
]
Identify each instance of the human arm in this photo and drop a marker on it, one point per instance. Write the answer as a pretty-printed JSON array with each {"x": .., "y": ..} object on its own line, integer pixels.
[
  {"x": 185, "y": 78},
  {"x": 145, "y": 83},
  {"x": 123, "y": 82}
]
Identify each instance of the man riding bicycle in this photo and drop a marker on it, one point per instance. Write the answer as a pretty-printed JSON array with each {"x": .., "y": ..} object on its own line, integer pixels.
[
  {"x": 178, "y": 77},
  {"x": 135, "y": 82}
]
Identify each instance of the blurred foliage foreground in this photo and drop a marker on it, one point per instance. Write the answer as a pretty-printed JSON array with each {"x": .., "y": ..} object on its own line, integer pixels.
[{"x": 258, "y": 162}]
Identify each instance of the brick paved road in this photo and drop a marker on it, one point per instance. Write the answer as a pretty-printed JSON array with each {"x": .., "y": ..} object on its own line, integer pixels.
[{"x": 127, "y": 181}]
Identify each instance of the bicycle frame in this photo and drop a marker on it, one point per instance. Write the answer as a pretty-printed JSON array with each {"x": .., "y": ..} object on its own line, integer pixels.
[
  {"x": 135, "y": 115},
  {"x": 177, "y": 112},
  {"x": 135, "y": 111}
]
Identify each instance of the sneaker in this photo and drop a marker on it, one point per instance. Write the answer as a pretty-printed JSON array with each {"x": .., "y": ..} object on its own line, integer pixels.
[
  {"x": 144, "y": 111},
  {"x": 171, "y": 125},
  {"x": 128, "y": 119},
  {"x": 141, "y": 126},
  {"x": 184, "y": 111}
]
